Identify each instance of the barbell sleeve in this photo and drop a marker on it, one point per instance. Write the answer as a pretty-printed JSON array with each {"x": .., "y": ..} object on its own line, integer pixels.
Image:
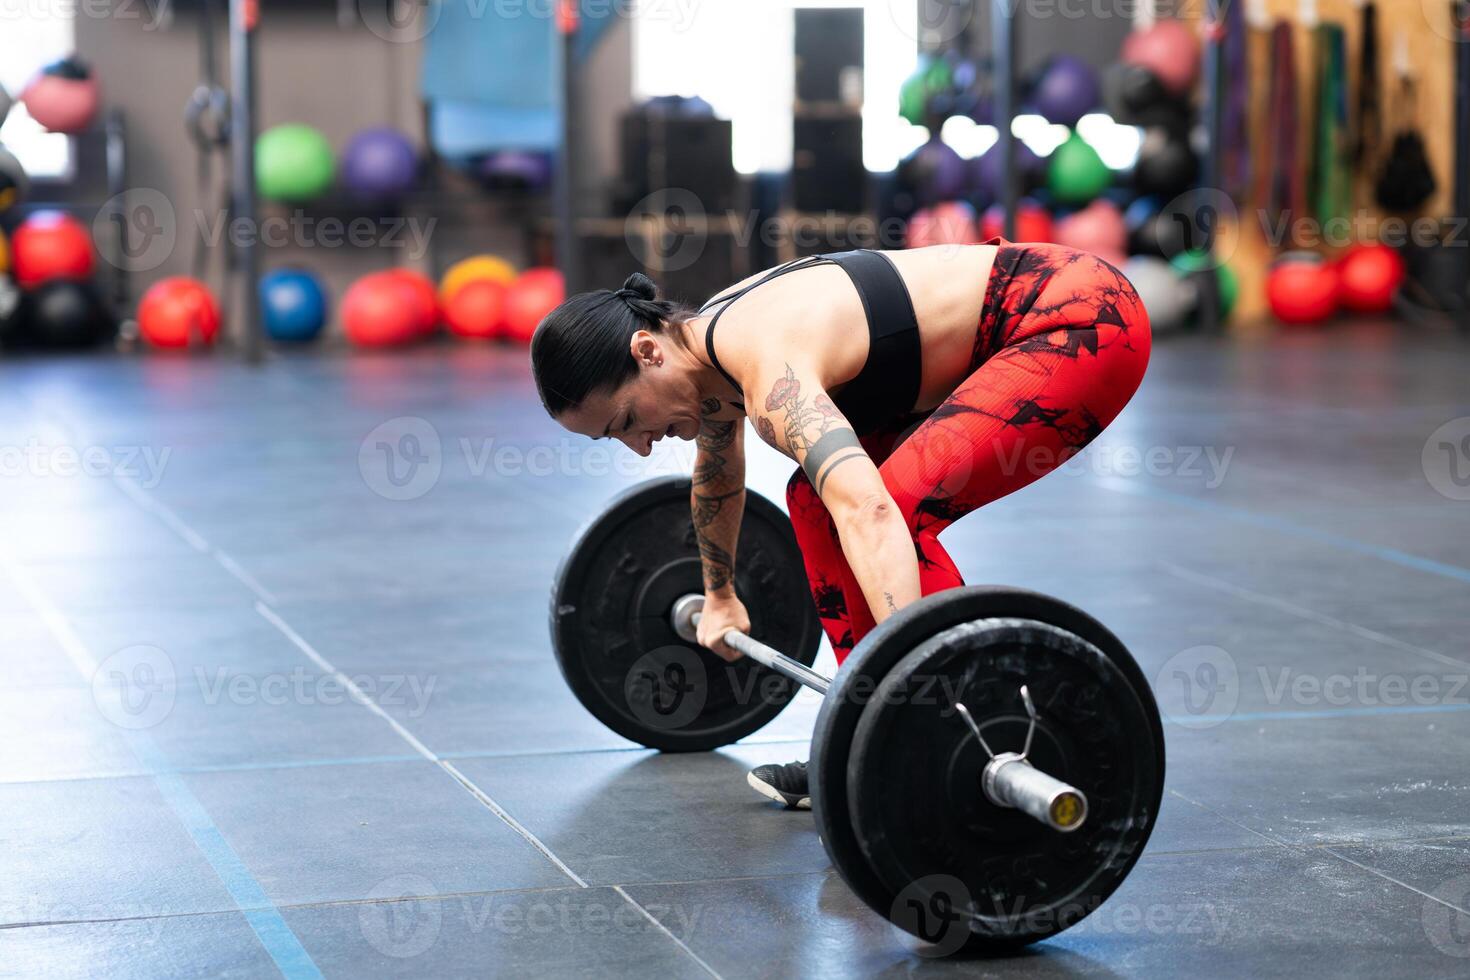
[
  {"x": 1011, "y": 781},
  {"x": 685, "y": 618}
]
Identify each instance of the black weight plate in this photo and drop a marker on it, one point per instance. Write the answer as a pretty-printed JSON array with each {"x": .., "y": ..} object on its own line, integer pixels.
[
  {"x": 923, "y": 820},
  {"x": 875, "y": 655},
  {"x": 617, "y": 649}
]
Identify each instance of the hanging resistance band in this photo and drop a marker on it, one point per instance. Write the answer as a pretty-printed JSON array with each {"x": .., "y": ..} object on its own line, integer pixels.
[
  {"x": 1234, "y": 95},
  {"x": 1281, "y": 184},
  {"x": 1331, "y": 176},
  {"x": 1370, "y": 112}
]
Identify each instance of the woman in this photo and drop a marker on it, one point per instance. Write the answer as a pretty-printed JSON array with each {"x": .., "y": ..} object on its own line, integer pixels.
[{"x": 911, "y": 387}]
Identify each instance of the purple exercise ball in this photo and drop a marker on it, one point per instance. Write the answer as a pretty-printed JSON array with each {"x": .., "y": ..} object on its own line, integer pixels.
[
  {"x": 380, "y": 162},
  {"x": 933, "y": 173},
  {"x": 985, "y": 172},
  {"x": 517, "y": 170},
  {"x": 1068, "y": 90}
]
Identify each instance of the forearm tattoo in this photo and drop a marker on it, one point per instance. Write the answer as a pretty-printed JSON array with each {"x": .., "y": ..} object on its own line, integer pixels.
[
  {"x": 712, "y": 479},
  {"x": 813, "y": 431}
]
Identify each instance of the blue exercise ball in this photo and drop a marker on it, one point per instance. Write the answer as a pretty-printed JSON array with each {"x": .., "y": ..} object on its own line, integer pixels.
[
  {"x": 380, "y": 162},
  {"x": 293, "y": 305}
]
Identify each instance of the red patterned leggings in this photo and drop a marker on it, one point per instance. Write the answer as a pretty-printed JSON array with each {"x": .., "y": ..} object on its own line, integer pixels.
[{"x": 1062, "y": 345}]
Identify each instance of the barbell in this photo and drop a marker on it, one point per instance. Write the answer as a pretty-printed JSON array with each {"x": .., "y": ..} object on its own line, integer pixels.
[{"x": 987, "y": 765}]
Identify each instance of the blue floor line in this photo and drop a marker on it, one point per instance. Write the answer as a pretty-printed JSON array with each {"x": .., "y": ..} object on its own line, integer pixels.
[
  {"x": 1196, "y": 721},
  {"x": 290, "y": 957},
  {"x": 1281, "y": 524},
  {"x": 275, "y": 936}
]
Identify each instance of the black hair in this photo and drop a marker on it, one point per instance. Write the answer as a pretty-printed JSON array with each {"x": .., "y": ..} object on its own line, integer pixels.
[{"x": 583, "y": 345}]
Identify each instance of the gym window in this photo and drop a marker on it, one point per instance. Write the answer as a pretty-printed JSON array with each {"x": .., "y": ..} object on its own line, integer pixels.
[
  {"x": 739, "y": 57},
  {"x": 31, "y": 37}
]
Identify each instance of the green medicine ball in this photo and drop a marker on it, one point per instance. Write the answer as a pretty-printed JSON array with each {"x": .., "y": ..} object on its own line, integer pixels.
[
  {"x": 1229, "y": 288},
  {"x": 1075, "y": 174},
  {"x": 931, "y": 77},
  {"x": 938, "y": 76},
  {"x": 912, "y": 98},
  {"x": 293, "y": 162}
]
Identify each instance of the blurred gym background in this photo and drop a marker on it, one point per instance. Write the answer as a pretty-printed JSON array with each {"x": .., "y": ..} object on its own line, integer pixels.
[{"x": 378, "y": 173}]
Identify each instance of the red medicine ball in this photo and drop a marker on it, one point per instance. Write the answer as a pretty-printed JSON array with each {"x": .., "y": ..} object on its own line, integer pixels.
[
  {"x": 427, "y": 302},
  {"x": 533, "y": 295},
  {"x": 1371, "y": 275},
  {"x": 477, "y": 310},
  {"x": 1033, "y": 223},
  {"x": 64, "y": 97},
  {"x": 382, "y": 310},
  {"x": 51, "y": 245},
  {"x": 179, "y": 312},
  {"x": 1301, "y": 291}
]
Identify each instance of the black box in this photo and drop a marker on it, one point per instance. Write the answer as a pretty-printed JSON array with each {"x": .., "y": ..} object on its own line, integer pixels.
[
  {"x": 827, "y": 172},
  {"x": 829, "y": 55},
  {"x": 689, "y": 261},
  {"x": 665, "y": 153},
  {"x": 722, "y": 263}
]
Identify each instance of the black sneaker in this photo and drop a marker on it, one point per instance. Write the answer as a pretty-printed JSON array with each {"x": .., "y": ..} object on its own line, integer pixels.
[{"x": 784, "y": 784}]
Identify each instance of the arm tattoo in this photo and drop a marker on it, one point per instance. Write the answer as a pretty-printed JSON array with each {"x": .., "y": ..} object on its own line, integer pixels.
[
  {"x": 707, "y": 508},
  {"x": 716, "y": 436},
  {"x": 837, "y": 446},
  {"x": 712, "y": 522},
  {"x": 815, "y": 430},
  {"x": 719, "y": 564},
  {"x": 822, "y": 480},
  {"x": 888, "y": 598}
]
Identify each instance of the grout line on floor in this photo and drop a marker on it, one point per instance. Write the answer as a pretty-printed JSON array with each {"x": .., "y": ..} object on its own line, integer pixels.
[
  {"x": 1280, "y": 525},
  {"x": 1236, "y": 823},
  {"x": 1311, "y": 615},
  {"x": 358, "y": 695},
  {"x": 1402, "y": 884},
  {"x": 287, "y": 764},
  {"x": 665, "y": 930},
  {"x": 263, "y": 607},
  {"x": 275, "y": 936},
  {"x": 191, "y": 537}
]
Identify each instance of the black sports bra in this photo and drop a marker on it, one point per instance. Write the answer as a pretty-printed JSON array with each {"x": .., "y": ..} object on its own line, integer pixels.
[{"x": 888, "y": 384}]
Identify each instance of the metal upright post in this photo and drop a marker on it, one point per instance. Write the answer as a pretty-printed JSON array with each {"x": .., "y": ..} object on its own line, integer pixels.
[
  {"x": 568, "y": 257},
  {"x": 1003, "y": 49},
  {"x": 244, "y": 17},
  {"x": 1207, "y": 279}
]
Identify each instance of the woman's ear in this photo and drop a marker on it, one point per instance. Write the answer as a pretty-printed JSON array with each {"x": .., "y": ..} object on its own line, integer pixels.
[{"x": 646, "y": 349}]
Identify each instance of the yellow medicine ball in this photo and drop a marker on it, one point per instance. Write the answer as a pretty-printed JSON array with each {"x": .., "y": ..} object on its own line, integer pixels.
[{"x": 473, "y": 269}]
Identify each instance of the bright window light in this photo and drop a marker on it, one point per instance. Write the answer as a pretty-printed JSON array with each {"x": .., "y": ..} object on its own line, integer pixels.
[
  {"x": 27, "y": 44},
  {"x": 738, "y": 57},
  {"x": 1117, "y": 145},
  {"x": 966, "y": 137}
]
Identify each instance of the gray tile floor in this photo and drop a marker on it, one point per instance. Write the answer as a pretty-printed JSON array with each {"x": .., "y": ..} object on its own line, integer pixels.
[{"x": 269, "y": 706}]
